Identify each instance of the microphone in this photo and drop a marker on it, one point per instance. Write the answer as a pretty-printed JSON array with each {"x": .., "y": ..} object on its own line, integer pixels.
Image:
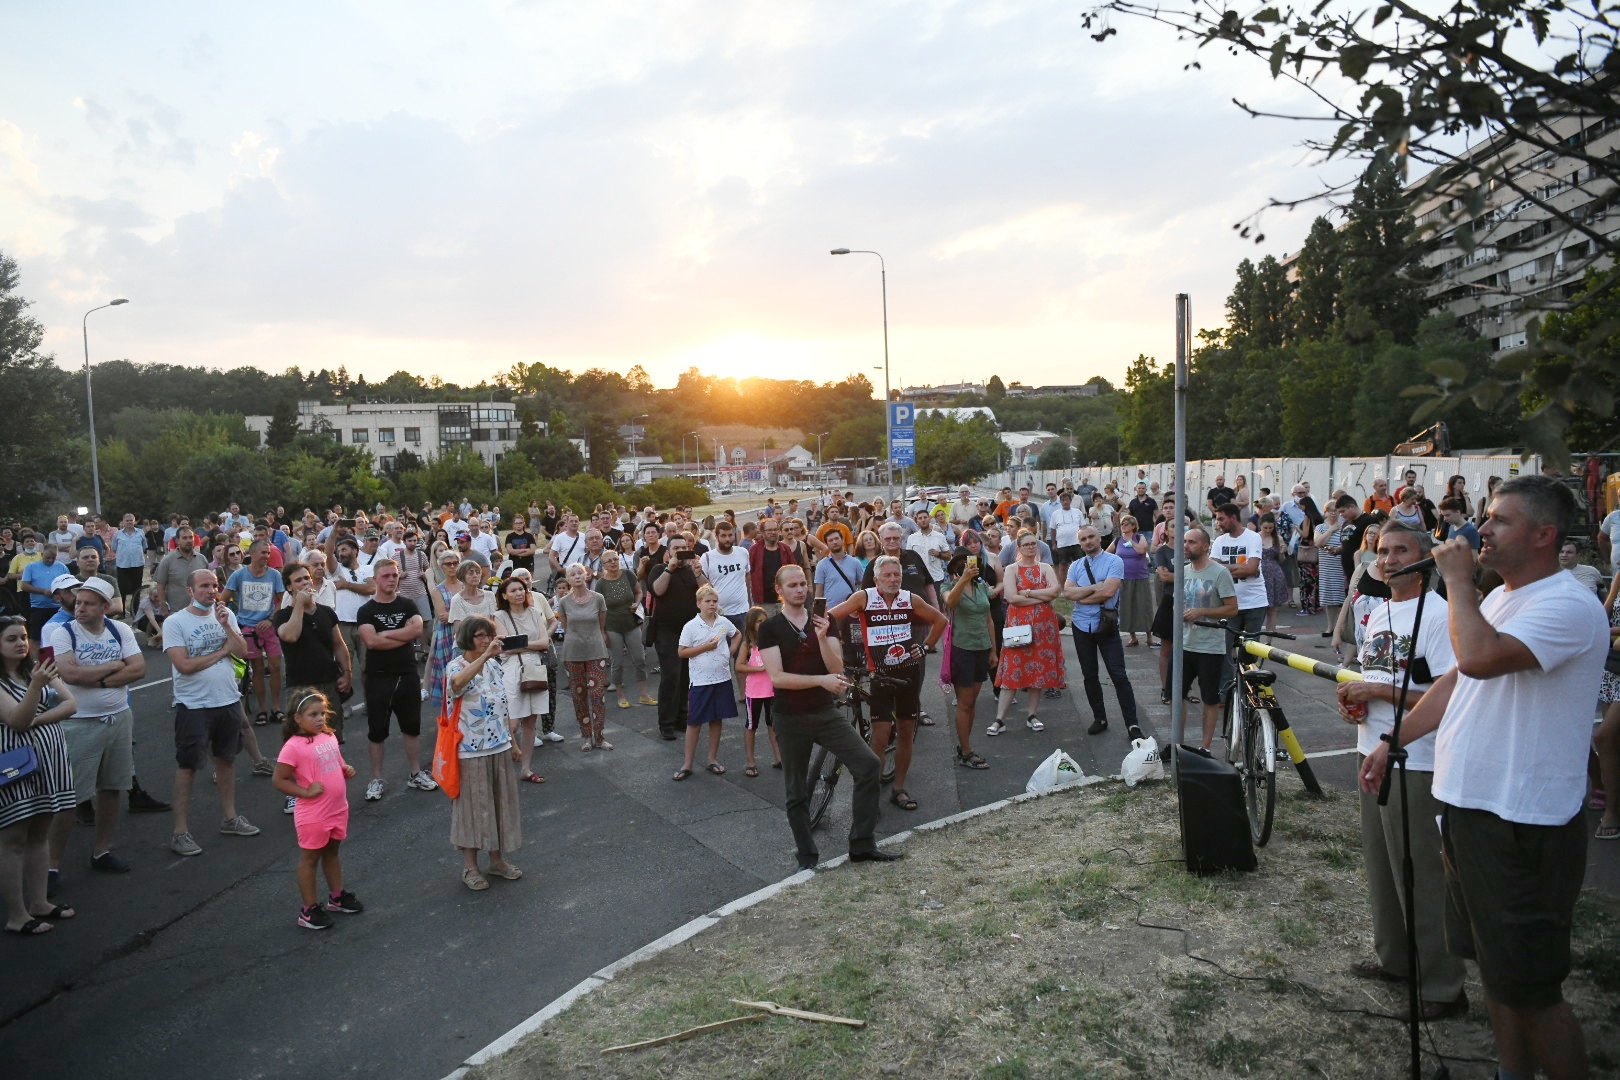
[{"x": 1419, "y": 567}]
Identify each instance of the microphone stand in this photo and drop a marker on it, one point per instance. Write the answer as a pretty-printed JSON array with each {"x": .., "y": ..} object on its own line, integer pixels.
[{"x": 1397, "y": 763}]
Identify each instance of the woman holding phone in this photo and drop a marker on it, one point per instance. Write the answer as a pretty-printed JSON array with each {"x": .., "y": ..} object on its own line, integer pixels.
[{"x": 524, "y": 624}]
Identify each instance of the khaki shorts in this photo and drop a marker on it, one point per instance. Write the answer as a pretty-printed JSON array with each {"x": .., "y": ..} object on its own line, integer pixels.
[{"x": 102, "y": 753}]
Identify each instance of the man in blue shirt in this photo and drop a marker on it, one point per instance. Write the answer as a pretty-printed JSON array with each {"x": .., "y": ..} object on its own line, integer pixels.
[
  {"x": 129, "y": 559},
  {"x": 1093, "y": 584},
  {"x": 35, "y": 584},
  {"x": 1451, "y": 512},
  {"x": 255, "y": 592}
]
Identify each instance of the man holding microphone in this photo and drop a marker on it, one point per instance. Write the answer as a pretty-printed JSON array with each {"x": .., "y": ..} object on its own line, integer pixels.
[{"x": 1514, "y": 721}]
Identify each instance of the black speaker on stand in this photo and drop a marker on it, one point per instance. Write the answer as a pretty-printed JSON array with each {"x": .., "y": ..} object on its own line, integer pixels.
[{"x": 1214, "y": 823}]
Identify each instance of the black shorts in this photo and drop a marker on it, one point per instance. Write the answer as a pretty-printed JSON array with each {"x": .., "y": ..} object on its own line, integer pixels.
[
  {"x": 969, "y": 667},
  {"x": 897, "y": 696},
  {"x": 760, "y": 708},
  {"x": 129, "y": 580},
  {"x": 397, "y": 695},
  {"x": 37, "y": 618},
  {"x": 1510, "y": 900},
  {"x": 1207, "y": 669},
  {"x": 1164, "y": 620},
  {"x": 203, "y": 733},
  {"x": 1068, "y": 554}
]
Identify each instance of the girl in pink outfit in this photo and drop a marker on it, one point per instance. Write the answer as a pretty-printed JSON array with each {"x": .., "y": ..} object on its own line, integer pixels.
[
  {"x": 311, "y": 769},
  {"x": 758, "y": 692}
]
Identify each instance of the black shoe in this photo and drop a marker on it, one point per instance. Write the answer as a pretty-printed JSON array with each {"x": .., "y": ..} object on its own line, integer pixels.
[
  {"x": 141, "y": 802},
  {"x": 108, "y": 863},
  {"x": 1097, "y": 727},
  {"x": 1133, "y": 733},
  {"x": 875, "y": 855},
  {"x": 84, "y": 813},
  {"x": 809, "y": 862},
  {"x": 668, "y": 736}
]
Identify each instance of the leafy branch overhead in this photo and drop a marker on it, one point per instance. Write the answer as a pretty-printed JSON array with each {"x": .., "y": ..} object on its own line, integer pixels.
[{"x": 1501, "y": 113}]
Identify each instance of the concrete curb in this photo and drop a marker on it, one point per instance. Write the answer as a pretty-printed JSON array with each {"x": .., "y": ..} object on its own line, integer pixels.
[{"x": 691, "y": 929}]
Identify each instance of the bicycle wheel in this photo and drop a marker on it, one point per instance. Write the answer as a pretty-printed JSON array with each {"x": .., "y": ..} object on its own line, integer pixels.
[
  {"x": 1259, "y": 771},
  {"x": 823, "y": 780},
  {"x": 1234, "y": 721}
]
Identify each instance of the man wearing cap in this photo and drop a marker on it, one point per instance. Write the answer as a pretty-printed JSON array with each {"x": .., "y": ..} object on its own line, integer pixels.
[
  {"x": 100, "y": 660},
  {"x": 88, "y": 565},
  {"x": 353, "y": 584}
]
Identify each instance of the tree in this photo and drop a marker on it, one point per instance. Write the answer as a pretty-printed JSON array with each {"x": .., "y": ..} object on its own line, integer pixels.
[
  {"x": 952, "y": 451},
  {"x": 552, "y": 456},
  {"x": 1587, "y": 327},
  {"x": 1534, "y": 78},
  {"x": 1380, "y": 268},
  {"x": 1148, "y": 414},
  {"x": 1316, "y": 295},
  {"x": 859, "y": 436},
  {"x": 995, "y": 390},
  {"x": 1055, "y": 455},
  {"x": 283, "y": 427},
  {"x": 42, "y": 410}
]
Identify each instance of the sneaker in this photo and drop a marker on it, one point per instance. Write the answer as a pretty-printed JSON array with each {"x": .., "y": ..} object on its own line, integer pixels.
[
  {"x": 421, "y": 781},
  {"x": 108, "y": 863},
  {"x": 183, "y": 844},
  {"x": 345, "y": 902},
  {"x": 142, "y": 802},
  {"x": 264, "y": 768},
  {"x": 539, "y": 741},
  {"x": 292, "y": 801},
  {"x": 374, "y": 790},
  {"x": 1133, "y": 733},
  {"x": 1097, "y": 727},
  {"x": 1034, "y": 724},
  {"x": 238, "y": 826},
  {"x": 552, "y": 736},
  {"x": 313, "y": 918},
  {"x": 996, "y": 728}
]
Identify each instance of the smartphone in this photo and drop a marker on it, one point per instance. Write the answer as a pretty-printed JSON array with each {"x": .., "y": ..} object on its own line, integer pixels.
[
  {"x": 516, "y": 641},
  {"x": 819, "y": 608},
  {"x": 973, "y": 561},
  {"x": 47, "y": 654}
]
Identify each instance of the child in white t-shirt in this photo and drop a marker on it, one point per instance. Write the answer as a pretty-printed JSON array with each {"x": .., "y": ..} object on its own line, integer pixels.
[{"x": 707, "y": 643}]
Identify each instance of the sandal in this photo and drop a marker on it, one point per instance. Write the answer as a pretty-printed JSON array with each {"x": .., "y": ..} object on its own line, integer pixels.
[
  {"x": 716, "y": 768},
  {"x": 533, "y": 778},
  {"x": 475, "y": 881},
  {"x": 59, "y": 913},
  {"x": 903, "y": 800},
  {"x": 649, "y": 701},
  {"x": 1607, "y": 832},
  {"x": 752, "y": 770},
  {"x": 1598, "y": 802},
  {"x": 776, "y": 764},
  {"x": 970, "y": 760},
  {"x": 624, "y": 703},
  {"x": 925, "y": 720},
  {"x": 279, "y": 717},
  {"x": 681, "y": 774},
  {"x": 587, "y": 748},
  {"x": 31, "y": 928},
  {"x": 506, "y": 871},
  {"x": 261, "y": 720},
  {"x": 603, "y": 744}
]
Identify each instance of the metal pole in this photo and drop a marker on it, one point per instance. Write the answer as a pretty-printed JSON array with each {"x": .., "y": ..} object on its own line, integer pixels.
[
  {"x": 1178, "y": 705},
  {"x": 888, "y": 432},
  {"x": 89, "y": 400}
]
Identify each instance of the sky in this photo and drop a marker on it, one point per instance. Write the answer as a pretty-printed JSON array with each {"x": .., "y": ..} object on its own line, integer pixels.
[{"x": 451, "y": 189}]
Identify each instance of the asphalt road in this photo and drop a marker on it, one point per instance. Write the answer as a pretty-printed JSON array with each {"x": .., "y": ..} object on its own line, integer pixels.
[{"x": 193, "y": 967}]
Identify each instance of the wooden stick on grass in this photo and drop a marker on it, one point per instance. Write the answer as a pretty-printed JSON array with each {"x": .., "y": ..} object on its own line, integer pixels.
[
  {"x": 687, "y": 1034},
  {"x": 799, "y": 1014}
]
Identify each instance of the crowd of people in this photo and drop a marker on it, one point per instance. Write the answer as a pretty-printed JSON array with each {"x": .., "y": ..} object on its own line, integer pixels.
[{"x": 449, "y": 611}]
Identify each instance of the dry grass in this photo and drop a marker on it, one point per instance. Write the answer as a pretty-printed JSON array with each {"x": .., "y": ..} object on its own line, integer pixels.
[{"x": 1058, "y": 938}]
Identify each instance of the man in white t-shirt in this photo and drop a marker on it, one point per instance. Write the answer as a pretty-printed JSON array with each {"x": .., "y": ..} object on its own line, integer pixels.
[
  {"x": 352, "y": 581},
  {"x": 1386, "y": 653},
  {"x": 1515, "y": 726},
  {"x": 1063, "y": 532},
  {"x": 931, "y": 544},
  {"x": 726, "y": 566},
  {"x": 99, "y": 659},
  {"x": 1609, "y": 535},
  {"x": 483, "y": 539},
  {"x": 200, "y": 639},
  {"x": 1238, "y": 549}
]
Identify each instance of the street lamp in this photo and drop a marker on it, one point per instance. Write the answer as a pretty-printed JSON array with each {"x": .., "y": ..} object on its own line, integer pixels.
[
  {"x": 888, "y": 435},
  {"x": 821, "y": 468},
  {"x": 635, "y": 443},
  {"x": 90, "y": 402},
  {"x": 697, "y": 450}
]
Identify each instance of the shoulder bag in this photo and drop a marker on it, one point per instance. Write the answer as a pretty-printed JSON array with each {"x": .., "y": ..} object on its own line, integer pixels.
[
  {"x": 1107, "y": 617},
  {"x": 532, "y": 677}
]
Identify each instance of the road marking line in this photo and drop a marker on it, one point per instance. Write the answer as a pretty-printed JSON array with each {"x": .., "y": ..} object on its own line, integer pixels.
[
  {"x": 1333, "y": 753},
  {"x": 148, "y": 685}
]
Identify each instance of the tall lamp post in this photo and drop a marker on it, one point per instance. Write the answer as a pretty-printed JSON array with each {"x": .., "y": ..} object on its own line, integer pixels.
[
  {"x": 635, "y": 451},
  {"x": 697, "y": 449},
  {"x": 888, "y": 435},
  {"x": 821, "y": 467},
  {"x": 90, "y": 401}
]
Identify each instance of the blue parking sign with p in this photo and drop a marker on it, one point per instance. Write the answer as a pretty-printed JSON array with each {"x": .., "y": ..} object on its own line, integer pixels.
[{"x": 902, "y": 414}]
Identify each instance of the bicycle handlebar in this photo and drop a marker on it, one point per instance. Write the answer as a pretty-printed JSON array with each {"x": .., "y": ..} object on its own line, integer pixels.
[{"x": 1222, "y": 624}]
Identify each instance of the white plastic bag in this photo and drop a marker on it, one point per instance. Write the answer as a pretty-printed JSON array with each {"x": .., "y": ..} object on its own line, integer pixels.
[
  {"x": 1142, "y": 763},
  {"x": 1058, "y": 770}
]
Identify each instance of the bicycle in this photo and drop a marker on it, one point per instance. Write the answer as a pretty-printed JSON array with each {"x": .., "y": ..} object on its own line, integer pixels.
[
  {"x": 825, "y": 768},
  {"x": 1252, "y": 725}
]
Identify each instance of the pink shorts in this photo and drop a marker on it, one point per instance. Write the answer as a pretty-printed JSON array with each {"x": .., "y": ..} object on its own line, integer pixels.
[
  {"x": 314, "y": 835},
  {"x": 262, "y": 640}
]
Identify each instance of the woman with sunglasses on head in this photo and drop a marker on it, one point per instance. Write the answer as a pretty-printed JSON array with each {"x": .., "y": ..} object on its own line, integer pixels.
[
  {"x": 524, "y": 614},
  {"x": 33, "y": 701}
]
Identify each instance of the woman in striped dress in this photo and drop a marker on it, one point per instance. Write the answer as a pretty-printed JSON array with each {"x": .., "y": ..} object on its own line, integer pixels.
[
  {"x": 33, "y": 699},
  {"x": 443, "y": 649},
  {"x": 1330, "y": 581}
]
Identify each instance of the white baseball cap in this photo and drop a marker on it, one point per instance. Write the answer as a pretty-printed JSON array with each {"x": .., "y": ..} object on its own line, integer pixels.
[{"x": 97, "y": 586}]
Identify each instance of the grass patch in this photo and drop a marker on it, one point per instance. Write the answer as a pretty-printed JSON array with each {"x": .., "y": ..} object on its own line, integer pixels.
[{"x": 1065, "y": 949}]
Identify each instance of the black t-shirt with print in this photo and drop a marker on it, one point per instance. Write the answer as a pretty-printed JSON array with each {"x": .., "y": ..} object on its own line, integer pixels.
[
  {"x": 392, "y": 615},
  {"x": 309, "y": 658}
]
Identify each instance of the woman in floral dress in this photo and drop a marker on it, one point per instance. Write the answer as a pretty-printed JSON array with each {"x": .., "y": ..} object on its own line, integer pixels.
[{"x": 1030, "y": 587}]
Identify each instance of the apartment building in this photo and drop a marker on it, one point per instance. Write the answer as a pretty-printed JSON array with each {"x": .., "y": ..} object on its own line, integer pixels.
[
  {"x": 423, "y": 428},
  {"x": 1523, "y": 260}
]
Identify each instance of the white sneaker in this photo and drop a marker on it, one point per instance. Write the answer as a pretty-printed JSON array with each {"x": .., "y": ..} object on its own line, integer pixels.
[
  {"x": 421, "y": 781},
  {"x": 292, "y": 801},
  {"x": 540, "y": 740},
  {"x": 238, "y": 826},
  {"x": 374, "y": 790},
  {"x": 552, "y": 736}
]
